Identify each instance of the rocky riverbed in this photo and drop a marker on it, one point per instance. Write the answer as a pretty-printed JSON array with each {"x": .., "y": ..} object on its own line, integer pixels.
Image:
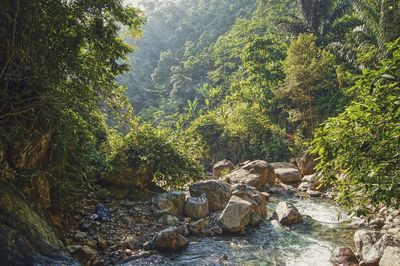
[{"x": 253, "y": 214}]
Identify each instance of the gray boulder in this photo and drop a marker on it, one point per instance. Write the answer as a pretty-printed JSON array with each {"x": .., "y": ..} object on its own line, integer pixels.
[
  {"x": 256, "y": 174},
  {"x": 390, "y": 257},
  {"x": 169, "y": 220},
  {"x": 236, "y": 216},
  {"x": 222, "y": 166},
  {"x": 287, "y": 214},
  {"x": 364, "y": 239},
  {"x": 217, "y": 193},
  {"x": 168, "y": 203},
  {"x": 196, "y": 207},
  {"x": 168, "y": 240},
  {"x": 198, "y": 227},
  {"x": 344, "y": 256},
  {"x": 288, "y": 175},
  {"x": 278, "y": 165},
  {"x": 256, "y": 198},
  {"x": 375, "y": 253}
]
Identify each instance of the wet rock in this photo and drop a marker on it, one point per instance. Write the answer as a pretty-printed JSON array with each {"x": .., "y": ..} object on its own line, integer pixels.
[
  {"x": 196, "y": 207},
  {"x": 102, "y": 213},
  {"x": 314, "y": 194},
  {"x": 288, "y": 175},
  {"x": 306, "y": 164},
  {"x": 217, "y": 230},
  {"x": 287, "y": 213},
  {"x": 222, "y": 166},
  {"x": 390, "y": 257},
  {"x": 217, "y": 193},
  {"x": 236, "y": 216},
  {"x": 344, "y": 256},
  {"x": 168, "y": 203},
  {"x": 256, "y": 198},
  {"x": 304, "y": 186},
  {"x": 169, "y": 240},
  {"x": 198, "y": 227},
  {"x": 169, "y": 220}
]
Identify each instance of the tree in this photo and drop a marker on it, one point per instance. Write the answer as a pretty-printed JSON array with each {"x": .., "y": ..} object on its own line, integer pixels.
[
  {"x": 358, "y": 151},
  {"x": 310, "y": 77}
]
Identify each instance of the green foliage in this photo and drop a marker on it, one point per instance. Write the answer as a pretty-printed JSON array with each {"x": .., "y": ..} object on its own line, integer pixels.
[
  {"x": 172, "y": 162},
  {"x": 58, "y": 63},
  {"x": 311, "y": 87},
  {"x": 362, "y": 144},
  {"x": 242, "y": 133}
]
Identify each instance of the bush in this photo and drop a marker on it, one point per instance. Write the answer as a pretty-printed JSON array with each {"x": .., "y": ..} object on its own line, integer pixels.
[
  {"x": 242, "y": 133},
  {"x": 172, "y": 163},
  {"x": 363, "y": 142}
]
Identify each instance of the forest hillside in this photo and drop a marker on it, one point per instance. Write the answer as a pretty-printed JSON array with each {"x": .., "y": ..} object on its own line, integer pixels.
[{"x": 113, "y": 112}]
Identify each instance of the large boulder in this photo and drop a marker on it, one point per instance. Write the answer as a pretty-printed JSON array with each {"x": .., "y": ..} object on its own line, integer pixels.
[
  {"x": 306, "y": 164},
  {"x": 344, "y": 256},
  {"x": 25, "y": 238},
  {"x": 364, "y": 239},
  {"x": 256, "y": 198},
  {"x": 390, "y": 257},
  {"x": 262, "y": 168},
  {"x": 198, "y": 227},
  {"x": 196, "y": 207},
  {"x": 288, "y": 175},
  {"x": 287, "y": 214},
  {"x": 217, "y": 193},
  {"x": 126, "y": 175},
  {"x": 278, "y": 165},
  {"x": 375, "y": 253},
  {"x": 222, "y": 166},
  {"x": 168, "y": 203},
  {"x": 236, "y": 216},
  {"x": 256, "y": 174},
  {"x": 168, "y": 240}
]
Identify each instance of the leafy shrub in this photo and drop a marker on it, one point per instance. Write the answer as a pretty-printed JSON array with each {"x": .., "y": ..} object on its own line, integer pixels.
[
  {"x": 172, "y": 163},
  {"x": 362, "y": 144}
]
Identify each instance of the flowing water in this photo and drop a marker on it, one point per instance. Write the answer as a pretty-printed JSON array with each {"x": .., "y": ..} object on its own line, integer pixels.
[{"x": 309, "y": 243}]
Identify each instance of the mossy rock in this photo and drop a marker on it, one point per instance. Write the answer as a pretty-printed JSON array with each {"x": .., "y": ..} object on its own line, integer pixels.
[{"x": 25, "y": 238}]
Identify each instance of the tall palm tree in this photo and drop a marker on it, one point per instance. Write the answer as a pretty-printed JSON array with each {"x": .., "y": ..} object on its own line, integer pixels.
[
  {"x": 318, "y": 17},
  {"x": 381, "y": 19}
]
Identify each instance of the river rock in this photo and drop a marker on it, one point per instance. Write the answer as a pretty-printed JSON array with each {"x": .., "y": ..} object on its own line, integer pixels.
[
  {"x": 256, "y": 198},
  {"x": 198, "y": 227},
  {"x": 236, "y": 216},
  {"x": 85, "y": 254},
  {"x": 125, "y": 174},
  {"x": 217, "y": 193},
  {"x": 222, "y": 166},
  {"x": 390, "y": 257},
  {"x": 304, "y": 186},
  {"x": 278, "y": 165},
  {"x": 306, "y": 164},
  {"x": 168, "y": 203},
  {"x": 314, "y": 194},
  {"x": 169, "y": 240},
  {"x": 344, "y": 256},
  {"x": 375, "y": 253},
  {"x": 287, "y": 213},
  {"x": 288, "y": 175},
  {"x": 196, "y": 207},
  {"x": 262, "y": 168},
  {"x": 364, "y": 239},
  {"x": 169, "y": 220}
]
